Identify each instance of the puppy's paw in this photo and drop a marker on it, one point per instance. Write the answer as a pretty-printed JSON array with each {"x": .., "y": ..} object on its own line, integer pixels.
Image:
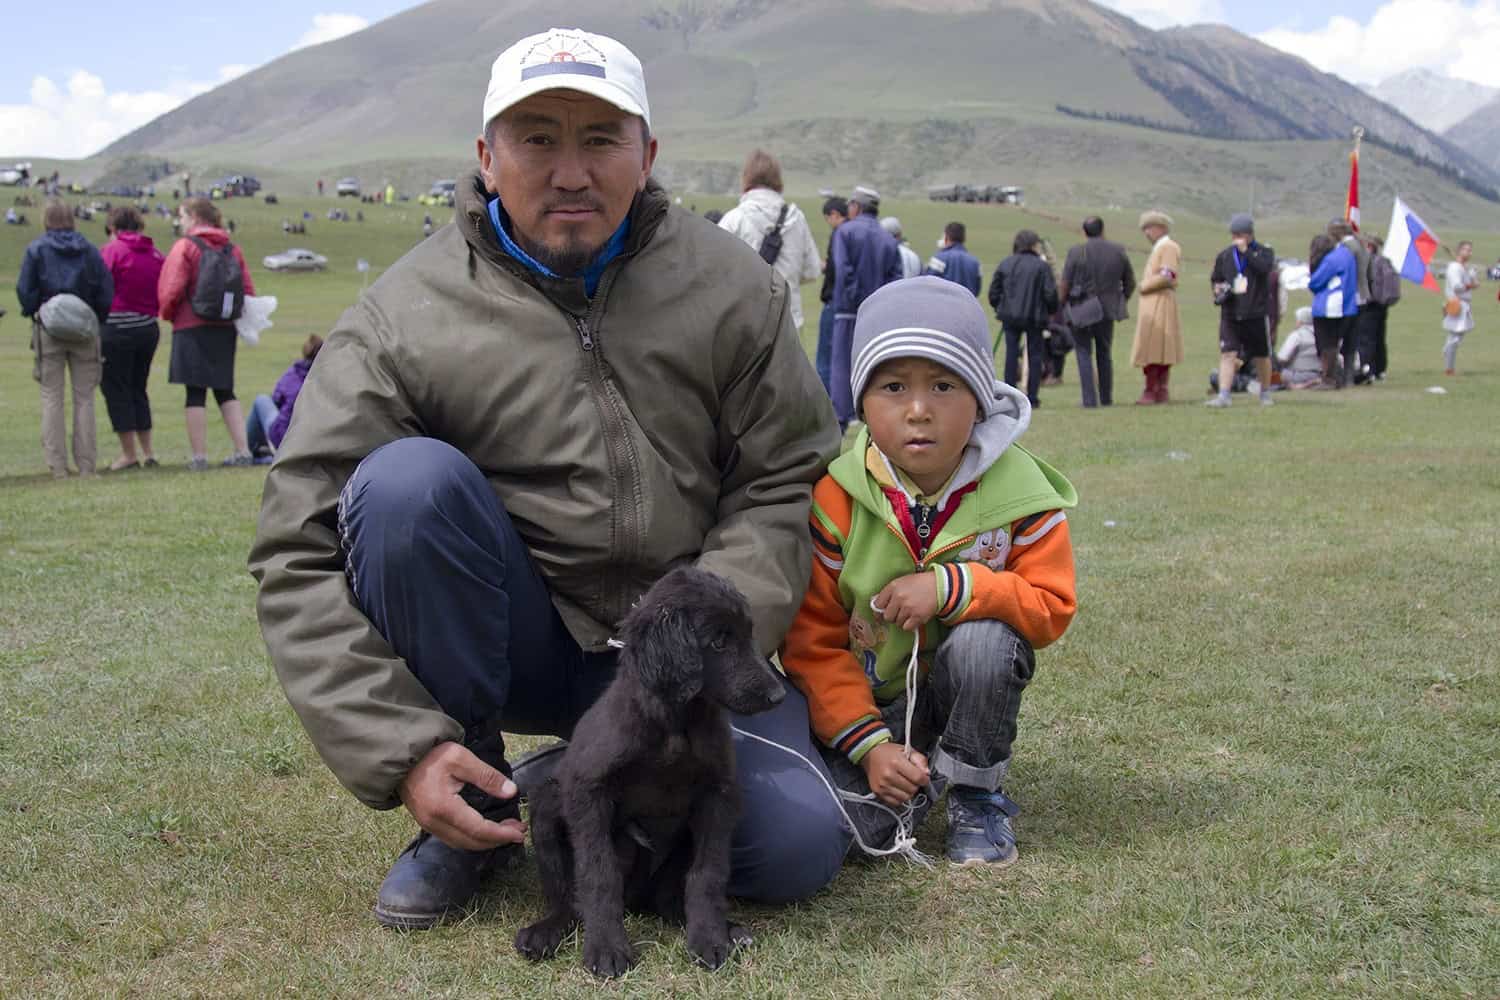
[
  {"x": 542, "y": 939},
  {"x": 710, "y": 945},
  {"x": 740, "y": 937},
  {"x": 607, "y": 958}
]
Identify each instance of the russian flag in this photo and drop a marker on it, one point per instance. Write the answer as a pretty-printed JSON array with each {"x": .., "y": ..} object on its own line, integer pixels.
[{"x": 1410, "y": 246}]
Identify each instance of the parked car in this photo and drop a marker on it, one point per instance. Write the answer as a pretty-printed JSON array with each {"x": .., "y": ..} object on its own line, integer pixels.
[
  {"x": 295, "y": 260},
  {"x": 347, "y": 186},
  {"x": 240, "y": 185}
]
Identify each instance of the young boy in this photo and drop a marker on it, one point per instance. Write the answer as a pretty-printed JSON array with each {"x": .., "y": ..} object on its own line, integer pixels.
[{"x": 935, "y": 527}]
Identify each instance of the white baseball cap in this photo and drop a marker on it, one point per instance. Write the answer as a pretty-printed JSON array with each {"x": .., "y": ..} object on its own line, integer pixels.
[{"x": 567, "y": 59}]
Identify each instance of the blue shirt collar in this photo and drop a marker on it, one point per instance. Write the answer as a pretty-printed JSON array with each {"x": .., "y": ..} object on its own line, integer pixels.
[{"x": 590, "y": 275}]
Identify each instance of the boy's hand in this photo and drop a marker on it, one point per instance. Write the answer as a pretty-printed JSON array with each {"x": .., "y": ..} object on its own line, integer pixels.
[
  {"x": 909, "y": 601},
  {"x": 893, "y": 778}
]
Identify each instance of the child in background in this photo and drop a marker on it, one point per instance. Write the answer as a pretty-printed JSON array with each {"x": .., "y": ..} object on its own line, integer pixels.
[
  {"x": 935, "y": 529},
  {"x": 271, "y": 415}
]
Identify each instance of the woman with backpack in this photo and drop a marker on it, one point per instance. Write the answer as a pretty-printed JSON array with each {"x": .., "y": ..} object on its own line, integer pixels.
[
  {"x": 774, "y": 227},
  {"x": 130, "y": 336},
  {"x": 202, "y": 290}
]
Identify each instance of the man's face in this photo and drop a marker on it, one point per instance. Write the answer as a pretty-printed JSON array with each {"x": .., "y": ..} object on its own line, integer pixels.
[
  {"x": 1464, "y": 252},
  {"x": 1153, "y": 233},
  {"x": 834, "y": 219},
  {"x": 566, "y": 166}
]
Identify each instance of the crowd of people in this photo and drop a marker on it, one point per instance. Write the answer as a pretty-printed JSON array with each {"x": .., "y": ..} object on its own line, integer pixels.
[{"x": 95, "y": 324}]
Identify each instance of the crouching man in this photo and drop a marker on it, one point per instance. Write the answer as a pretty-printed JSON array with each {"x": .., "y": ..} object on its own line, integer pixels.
[{"x": 524, "y": 423}]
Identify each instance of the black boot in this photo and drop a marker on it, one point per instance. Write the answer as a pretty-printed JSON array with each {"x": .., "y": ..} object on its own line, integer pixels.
[{"x": 431, "y": 880}]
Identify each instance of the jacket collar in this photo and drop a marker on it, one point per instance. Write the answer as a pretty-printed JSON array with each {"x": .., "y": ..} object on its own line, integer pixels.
[{"x": 646, "y": 215}]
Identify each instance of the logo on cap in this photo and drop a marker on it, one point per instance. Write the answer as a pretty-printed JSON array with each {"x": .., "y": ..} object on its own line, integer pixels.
[{"x": 560, "y": 53}]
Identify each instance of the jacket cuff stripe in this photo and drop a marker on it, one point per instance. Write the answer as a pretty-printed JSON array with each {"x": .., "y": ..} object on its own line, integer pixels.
[
  {"x": 846, "y": 741},
  {"x": 881, "y": 735},
  {"x": 962, "y": 591}
]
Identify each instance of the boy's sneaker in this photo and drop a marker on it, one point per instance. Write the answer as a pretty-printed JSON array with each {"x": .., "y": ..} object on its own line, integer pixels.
[
  {"x": 1217, "y": 402},
  {"x": 238, "y": 458},
  {"x": 979, "y": 830},
  {"x": 198, "y": 464}
]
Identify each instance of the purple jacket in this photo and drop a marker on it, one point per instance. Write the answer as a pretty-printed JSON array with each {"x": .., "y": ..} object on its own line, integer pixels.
[
  {"x": 135, "y": 263},
  {"x": 285, "y": 397}
]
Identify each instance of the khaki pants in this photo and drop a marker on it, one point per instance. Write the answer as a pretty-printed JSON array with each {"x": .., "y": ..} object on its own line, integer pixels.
[{"x": 55, "y": 360}]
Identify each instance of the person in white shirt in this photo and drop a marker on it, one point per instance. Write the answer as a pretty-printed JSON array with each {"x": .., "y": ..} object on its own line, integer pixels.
[
  {"x": 763, "y": 210},
  {"x": 1460, "y": 280},
  {"x": 1298, "y": 354},
  {"x": 911, "y": 264}
]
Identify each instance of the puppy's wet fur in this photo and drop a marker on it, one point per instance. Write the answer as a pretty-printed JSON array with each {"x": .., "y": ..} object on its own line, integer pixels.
[{"x": 639, "y": 813}]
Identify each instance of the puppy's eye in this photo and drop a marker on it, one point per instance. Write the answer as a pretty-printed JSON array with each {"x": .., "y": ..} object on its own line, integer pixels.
[{"x": 717, "y": 644}]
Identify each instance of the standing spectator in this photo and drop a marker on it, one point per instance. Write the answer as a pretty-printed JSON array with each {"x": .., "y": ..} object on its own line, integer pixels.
[
  {"x": 61, "y": 263},
  {"x": 1241, "y": 283},
  {"x": 1097, "y": 267},
  {"x": 202, "y": 348},
  {"x": 320, "y": 187},
  {"x": 761, "y": 211},
  {"x": 1343, "y": 233},
  {"x": 953, "y": 260},
  {"x": 864, "y": 258},
  {"x": 130, "y": 336},
  {"x": 835, "y": 213},
  {"x": 1024, "y": 295},
  {"x": 911, "y": 264},
  {"x": 1158, "y": 328},
  {"x": 271, "y": 415},
  {"x": 1460, "y": 280},
  {"x": 1333, "y": 281},
  {"x": 1385, "y": 291}
]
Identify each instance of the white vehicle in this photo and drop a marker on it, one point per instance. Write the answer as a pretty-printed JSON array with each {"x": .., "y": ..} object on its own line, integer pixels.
[
  {"x": 347, "y": 186},
  {"x": 295, "y": 260},
  {"x": 14, "y": 174}
]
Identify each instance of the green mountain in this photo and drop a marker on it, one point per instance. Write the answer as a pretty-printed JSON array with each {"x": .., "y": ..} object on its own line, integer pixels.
[{"x": 1074, "y": 102}]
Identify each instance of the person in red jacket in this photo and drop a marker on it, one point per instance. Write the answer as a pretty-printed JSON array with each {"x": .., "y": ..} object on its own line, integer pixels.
[{"x": 202, "y": 349}]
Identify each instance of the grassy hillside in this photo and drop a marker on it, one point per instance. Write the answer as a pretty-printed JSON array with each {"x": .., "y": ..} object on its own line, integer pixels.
[{"x": 1261, "y": 763}]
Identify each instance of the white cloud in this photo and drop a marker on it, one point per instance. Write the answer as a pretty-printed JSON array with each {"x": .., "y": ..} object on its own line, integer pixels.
[
  {"x": 1455, "y": 37},
  {"x": 1167, "y": 13},
  {"x": 327, "y": 27},
  {"x": 82, "y": 116}
]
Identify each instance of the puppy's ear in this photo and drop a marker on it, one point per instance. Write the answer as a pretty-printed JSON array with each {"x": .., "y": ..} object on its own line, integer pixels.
[{"x": 661, "y": 643}]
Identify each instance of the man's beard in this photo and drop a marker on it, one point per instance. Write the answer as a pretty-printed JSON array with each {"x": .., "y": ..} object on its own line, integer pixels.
[{"x": 570, "y": 259}]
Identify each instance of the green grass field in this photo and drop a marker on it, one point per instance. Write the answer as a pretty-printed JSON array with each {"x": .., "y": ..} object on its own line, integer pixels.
[{"x": 1264, "y": 762}]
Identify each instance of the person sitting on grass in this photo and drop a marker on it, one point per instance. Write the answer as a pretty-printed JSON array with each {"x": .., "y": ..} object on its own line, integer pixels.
[
  {"x": 936, "y": 530},
  {"x": 271, "y": 415}
]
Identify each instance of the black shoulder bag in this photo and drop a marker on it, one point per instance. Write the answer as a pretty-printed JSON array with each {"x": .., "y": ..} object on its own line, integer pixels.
[
  {"x": 1089, "y": 309},
  {"x": 770, "y": 247}
]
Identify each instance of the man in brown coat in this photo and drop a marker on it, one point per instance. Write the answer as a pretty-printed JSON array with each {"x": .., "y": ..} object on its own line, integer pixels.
[{"x": 1158, "y": 327}]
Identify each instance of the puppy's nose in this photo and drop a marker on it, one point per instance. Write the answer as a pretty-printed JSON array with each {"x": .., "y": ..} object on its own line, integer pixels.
[{"x": 775, "y": 695}]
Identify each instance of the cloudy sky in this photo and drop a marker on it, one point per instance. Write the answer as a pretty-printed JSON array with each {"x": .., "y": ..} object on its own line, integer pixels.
[{"x": 63, "y": 95}]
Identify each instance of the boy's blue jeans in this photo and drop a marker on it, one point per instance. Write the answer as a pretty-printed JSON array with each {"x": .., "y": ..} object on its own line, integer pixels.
[
  {"x": 965, "y": 720},
  {"x": 439, "y": 569},
  {"x": 263, "y": 413}
]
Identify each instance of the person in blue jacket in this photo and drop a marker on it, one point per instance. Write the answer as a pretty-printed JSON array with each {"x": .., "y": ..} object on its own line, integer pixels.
[
  {"x": 953, "y": 260},
  {"x": 1334, "y": 283},
  {"x": 865, "y": 257}
]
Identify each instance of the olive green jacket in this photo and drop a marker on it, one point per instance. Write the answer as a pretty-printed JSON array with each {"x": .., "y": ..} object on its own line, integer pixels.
[{"x": 673, "y": 418}]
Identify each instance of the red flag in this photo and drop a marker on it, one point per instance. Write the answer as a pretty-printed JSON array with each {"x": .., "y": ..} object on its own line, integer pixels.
[{"x": 1351, "y": 211}]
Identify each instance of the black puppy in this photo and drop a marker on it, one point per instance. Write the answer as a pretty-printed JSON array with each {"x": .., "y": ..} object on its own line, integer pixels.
[{"x": 639, "y": 813}]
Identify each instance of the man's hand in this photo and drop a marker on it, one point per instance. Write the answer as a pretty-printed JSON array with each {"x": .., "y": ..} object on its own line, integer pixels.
[
  {"x": 892, "y": 777},
  {"x": 431, "y": 794},
  {"x": 908, "y": 601}
]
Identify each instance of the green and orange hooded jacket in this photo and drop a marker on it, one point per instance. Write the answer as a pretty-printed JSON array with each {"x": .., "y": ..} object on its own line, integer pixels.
[{"x": 1004, "y": 554}]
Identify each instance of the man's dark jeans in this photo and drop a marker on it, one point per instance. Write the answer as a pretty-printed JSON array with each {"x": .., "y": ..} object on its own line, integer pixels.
[
  {"x": 823, "y": 360},
  {"x": 1036, "y": 348},
  {"x": 438, "y": 567},
  {"x": 1372, "y": 350},
  {"x": 1090, "y": 341}
]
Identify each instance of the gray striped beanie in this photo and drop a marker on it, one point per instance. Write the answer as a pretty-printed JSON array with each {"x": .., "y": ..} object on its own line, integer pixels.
[{"x": 927, "y": 317}]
